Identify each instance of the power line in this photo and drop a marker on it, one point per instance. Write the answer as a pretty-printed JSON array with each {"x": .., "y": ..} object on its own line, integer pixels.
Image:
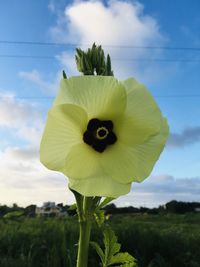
[
  {"x": 53, "y": 97},
  {"x": 104, "y": 45},
  {"x": 115, "y": 59},
  {"x": 178, "y": 96},
  {"x": 26, "y": 56},
  {"x": 158, "y": 60}
]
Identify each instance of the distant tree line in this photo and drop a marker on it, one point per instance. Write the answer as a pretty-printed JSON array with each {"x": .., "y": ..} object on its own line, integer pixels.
[{"x": 173, "y": 206}]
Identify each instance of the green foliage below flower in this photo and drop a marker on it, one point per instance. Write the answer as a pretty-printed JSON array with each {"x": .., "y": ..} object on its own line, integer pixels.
[
  {"x": 111, "y": 256},
  {"x": 154, "y": 240},
  {"x": 13, "y": 215}
]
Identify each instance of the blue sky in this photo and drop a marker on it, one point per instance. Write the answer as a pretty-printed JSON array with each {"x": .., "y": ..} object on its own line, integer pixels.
[{"x": 27, "y": 87}]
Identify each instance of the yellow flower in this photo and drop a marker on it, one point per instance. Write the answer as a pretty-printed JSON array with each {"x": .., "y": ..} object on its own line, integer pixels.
[{"x": 103, "y": 134}]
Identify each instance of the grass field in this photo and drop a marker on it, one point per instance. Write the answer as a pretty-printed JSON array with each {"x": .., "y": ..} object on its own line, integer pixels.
[{"x": 155, "y": 240}]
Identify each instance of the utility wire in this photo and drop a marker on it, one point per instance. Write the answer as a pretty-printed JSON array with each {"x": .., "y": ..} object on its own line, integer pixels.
[
  {"x": 106, "y": 45},
  {"x": 26, "y": 56},
  {"x": 115, "y": 59},
  {"x": 53, "y": 97}
]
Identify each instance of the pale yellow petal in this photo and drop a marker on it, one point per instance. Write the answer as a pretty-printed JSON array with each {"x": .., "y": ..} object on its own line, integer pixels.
[
  {"x": 102, "y": 97},
  {"x": 142, "y": 115},
  {"x": 134, "y": 163},
  {"x": 148, "y": 153},
  {"x": 102, "y": 186},
  {"x": 119, "y": 162},
  {"x": 81, "y": 162},
  {"x": 64, "y": 128}
]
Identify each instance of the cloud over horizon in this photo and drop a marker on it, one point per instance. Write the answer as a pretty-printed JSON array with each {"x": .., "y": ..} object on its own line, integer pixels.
[
  {"x": 160, "y": 189},
  {"x": 188, "y": 136}
]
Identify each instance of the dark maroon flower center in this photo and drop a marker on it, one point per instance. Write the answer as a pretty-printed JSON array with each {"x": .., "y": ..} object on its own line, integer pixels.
[{"x": 99, "y": 134}]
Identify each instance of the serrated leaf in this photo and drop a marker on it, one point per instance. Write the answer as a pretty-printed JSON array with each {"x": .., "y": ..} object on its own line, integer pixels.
[
  {"x": 111, "y": 244},
  {"x": 123, "y": 258},
  {"x": 99, "y": 217},
  {"x": 98, "y": 250},
  {"x": 112, "y": 256}
]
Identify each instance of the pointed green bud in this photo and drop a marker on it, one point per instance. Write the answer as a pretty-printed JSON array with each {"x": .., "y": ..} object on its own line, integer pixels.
[
  {"x": 109, "y": 71},
  {"x": 79, "y": 52},
  {"x": 64, "y": 75},
  {"x": 93, "y": 61}
]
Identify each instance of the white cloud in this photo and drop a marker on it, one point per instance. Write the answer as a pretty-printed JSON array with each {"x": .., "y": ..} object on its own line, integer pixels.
[
  {"x": 56, "y": 6},
  {"x": 15, "y": 114},
  {"x": 188, "y": 136},
  {"x": 67, "y": 61},
  {"x": 24, "y": 180},
  {"x": 157, "y": 190},
  {"x": 119, "y": 23},
  {"x": 31, "y": 134},
  {"x": 33, "y": 75},
  {"x": 37, "y": 78},
  {"x": 27, "y": 153},
  {"x": 21, "y": 117}
]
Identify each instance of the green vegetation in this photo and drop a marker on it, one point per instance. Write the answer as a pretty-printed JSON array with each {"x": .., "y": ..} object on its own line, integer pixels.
[{"x": 168, "y": 240}]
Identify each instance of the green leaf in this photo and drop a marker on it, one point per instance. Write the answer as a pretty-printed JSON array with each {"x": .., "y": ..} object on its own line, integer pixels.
[
  {"x": 13, "y": 214},
  {"x": 123, "y": 258},
  {"x": 112, "y": 256},
  {"x": 98, "y": 250},
  {"x": 73, "y": 207},
  {"x": 99, "y": 217},
  {"x": 111, "y": 244}
]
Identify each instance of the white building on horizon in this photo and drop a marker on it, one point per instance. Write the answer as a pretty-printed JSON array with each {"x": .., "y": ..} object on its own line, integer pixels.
[{"x": 50, "y": 209}]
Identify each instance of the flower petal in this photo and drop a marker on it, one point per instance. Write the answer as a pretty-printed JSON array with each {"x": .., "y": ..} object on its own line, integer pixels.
[
  {"x": 142, "y": 115},
  {"x": 100, "y": 186},
  {"x": 134, "y": 163},
  {"x": 102, "y": 97},
  {"x": 64, "y": 128},
  {"x": 119, "y": 162},
  {"x": 148, "y": 153},
  {"x": 82, "y": 162}
]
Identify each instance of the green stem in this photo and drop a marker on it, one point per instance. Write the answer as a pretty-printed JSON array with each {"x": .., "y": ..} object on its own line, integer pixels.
[
  {"x": 85, "y": 210},
  {"x": 85, "y": 223},
  {"x": 84, "y": 239}
]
